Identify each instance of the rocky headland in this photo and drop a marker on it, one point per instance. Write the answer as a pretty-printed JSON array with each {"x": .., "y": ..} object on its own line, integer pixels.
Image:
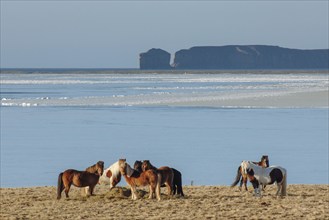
[{"x": 236, "y": 57}]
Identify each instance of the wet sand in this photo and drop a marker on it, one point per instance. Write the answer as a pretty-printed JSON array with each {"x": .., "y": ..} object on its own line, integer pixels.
[
  {"x": 200, "y": 202},
  {"x": 315, "y": 99}
]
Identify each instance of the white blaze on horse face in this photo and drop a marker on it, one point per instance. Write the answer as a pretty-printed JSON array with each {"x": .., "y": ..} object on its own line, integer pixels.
[{"x": 257, "y": 192}]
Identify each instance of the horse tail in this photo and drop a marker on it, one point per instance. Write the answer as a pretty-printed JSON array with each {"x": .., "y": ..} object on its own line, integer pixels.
[
  {"x": 157, "y": 189},
  {"x": 60, "y": 185},
  {"x": 237, "y": 178},
  {"x": 284, "y": 185},
  {"x": 179, "y": 185}
]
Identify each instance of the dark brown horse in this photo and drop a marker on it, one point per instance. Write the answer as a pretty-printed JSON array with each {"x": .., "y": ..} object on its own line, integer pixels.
[
  {"x": 94, "y": 169},
  {"x": 78, "y": 179},
  {"x": 135, "y": 178},
  {"x": 177, "y": 181},
  {"x": 167, "y": 175},
  {"x": 264, "y": 162}
]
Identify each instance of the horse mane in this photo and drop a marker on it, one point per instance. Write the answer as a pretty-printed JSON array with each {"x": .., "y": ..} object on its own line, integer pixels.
[
  {"x": 261, "y": 162},
  {"x": 93, "y": 168},
  {"x": 131, "y": 172},
  {"x": 150, "y": 165}
]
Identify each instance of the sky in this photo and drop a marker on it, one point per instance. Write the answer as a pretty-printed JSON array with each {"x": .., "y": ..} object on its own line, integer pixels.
[{"x": 112, "y": 34}]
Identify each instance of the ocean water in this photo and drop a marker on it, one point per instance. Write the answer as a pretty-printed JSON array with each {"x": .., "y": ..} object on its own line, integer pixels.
[{"x": 54, "y": 121}]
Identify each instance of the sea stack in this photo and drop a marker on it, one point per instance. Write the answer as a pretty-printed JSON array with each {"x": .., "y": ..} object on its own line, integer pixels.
[{"x": 154, "y": 59}]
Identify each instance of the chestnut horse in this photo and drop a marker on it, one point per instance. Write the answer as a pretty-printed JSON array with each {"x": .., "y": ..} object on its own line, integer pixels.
[
  {"x": 167, "y": 175},
  {"x": 264, "y": 162},
  {"x": 265, "y": 176},
  {"x": 78, "y": 179},
  {"x": 111, "y": 175},
  {"x": 177, "y": 181},
  {"x": 134, "y": 179}
]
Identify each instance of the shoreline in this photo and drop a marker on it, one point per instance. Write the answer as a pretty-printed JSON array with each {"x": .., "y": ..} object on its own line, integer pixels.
[
  {"x": 297, "y": 99},
  {"x": 169, "y": 71},
  {"x": 201, "y": 202}
]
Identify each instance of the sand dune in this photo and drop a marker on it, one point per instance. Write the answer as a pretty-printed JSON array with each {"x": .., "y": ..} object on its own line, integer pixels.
[{"x": 200, "y": 202}]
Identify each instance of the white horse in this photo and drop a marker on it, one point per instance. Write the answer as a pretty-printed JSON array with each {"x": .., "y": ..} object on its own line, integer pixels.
[
  {"x": 111, "y": 175},
  {"x": 265, "y": 176}
]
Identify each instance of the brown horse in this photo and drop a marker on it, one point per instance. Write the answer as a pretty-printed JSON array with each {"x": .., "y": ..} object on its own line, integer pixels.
[
  {"x": 94, "y": 169},
  {"x": 167, "y": 175},
  {"x": 135, "y": 178},
  {"x": 78, "y": 179},
  {"x": 264, "y": 162},
  {"x": 177, "y": 181}
]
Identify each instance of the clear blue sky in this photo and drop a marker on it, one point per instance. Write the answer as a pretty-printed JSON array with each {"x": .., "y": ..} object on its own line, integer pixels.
[{"x": 111, "y": 34}]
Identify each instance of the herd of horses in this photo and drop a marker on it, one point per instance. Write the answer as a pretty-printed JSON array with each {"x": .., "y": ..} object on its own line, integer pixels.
[{"x": 145, "y": 174}]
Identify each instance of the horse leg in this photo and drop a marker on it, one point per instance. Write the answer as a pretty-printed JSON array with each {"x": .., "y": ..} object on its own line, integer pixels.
[
  {"x": 245, "y": 179},
  {"x": 174, "y": 189},
  {"x": 241, "y": 182},
  {"x": 169, "y": 189},
  {"x": 257, "y": 192},
  {"x": 67, "y": 189},
  {"x": 133, "y": 192},
  {"x": 180, "y": 190},
  {"x": 87, "y": 191},
  {"x": 152, "y": 190},
  {"x": 91, "y": 189},
  {"x": 279, "y": 189}
]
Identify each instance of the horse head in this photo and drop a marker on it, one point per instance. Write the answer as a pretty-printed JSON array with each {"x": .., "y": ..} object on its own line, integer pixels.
[
  {"x": 252, "y": 179},
  {"x": 100, "y": 167},
  {"x": 122, "y": 166},
  {"x": 138, "y": 166},
  {"x": 125, "y": 168},
  {"x": 146, "y": 165},
  {"x": 265, "y": 160}
]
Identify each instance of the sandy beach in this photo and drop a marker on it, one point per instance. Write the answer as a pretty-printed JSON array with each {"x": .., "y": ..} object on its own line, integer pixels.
[{"x": 200, "y": 202}]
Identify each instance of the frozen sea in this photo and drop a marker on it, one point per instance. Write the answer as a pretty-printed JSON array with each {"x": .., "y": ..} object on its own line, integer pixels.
[{"x": 53, "y": 120}]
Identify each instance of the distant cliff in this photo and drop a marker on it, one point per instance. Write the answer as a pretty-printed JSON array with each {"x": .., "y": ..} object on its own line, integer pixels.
[
  {"x": 154, "y": 59},
  {"x": 242, "y": 57}
]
